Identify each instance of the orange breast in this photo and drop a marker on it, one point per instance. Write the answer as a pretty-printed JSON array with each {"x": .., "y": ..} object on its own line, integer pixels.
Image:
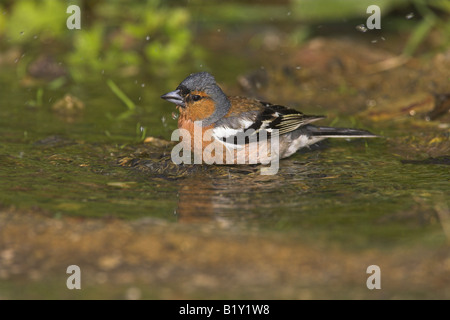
[{"x": 198, "y": 145}]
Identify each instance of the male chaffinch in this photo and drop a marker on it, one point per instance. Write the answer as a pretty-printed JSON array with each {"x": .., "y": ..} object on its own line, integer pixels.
[{"x": 225, "y": 122}]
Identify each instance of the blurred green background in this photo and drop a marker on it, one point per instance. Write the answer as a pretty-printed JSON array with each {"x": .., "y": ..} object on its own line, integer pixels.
[
  {"x": 154, "y": 37},
  {"x": 135, "y": 50}
]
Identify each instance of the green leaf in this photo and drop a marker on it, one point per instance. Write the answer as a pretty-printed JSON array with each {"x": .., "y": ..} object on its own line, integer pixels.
[{"x": 121, "y": 95}]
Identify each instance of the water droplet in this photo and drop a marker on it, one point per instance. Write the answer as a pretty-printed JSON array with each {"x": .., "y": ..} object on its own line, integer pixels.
[
  {"x": 174, "y": 115},
  {"x": 147, "y": 38},
  {"x": 201, "y": 66},
  {"x": 361, "y": 28},
  {"x": 141, "y": 128},
  {"x": 133, "y": 293},
  {"x": 139, "y": 98},
  {"x": 35, "y": 37},
  {"x": 142, "y": 85},
  {"x": 371, "y": 103},
  {"x": 218, "y": 30},
  {"x": 410, "y": 15},
  {"x": 298, "y": 67},
  {"x": 289, "y": 13}
]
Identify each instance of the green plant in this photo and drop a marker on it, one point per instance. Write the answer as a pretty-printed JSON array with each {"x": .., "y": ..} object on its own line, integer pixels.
[
  {"x": 115, "y": 35},
  {"x": 124, "y": 98},
  {"x": 28, "y": 18},
  {"x": 131, "y": 34},
  {"x": 429, "y": 22}
]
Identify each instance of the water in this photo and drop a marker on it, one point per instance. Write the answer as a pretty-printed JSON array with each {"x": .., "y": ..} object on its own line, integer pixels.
[
  {"x": 342, "y": 188},
  {"x": 361, "y": 28}
]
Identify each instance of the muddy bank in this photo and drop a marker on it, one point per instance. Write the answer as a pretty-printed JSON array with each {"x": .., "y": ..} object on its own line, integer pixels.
[{"x": 199, "y": 261}]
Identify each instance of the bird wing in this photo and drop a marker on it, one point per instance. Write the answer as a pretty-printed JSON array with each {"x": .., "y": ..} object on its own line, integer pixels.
[
  {"x": 281, "y": 118},
  {"x": 254, "y": 119}
]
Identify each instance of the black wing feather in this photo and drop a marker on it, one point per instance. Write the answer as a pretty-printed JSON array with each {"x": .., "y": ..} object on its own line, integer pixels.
[
  {"x": 281, "y": 118},
  {"x": 272, "y": 117}
]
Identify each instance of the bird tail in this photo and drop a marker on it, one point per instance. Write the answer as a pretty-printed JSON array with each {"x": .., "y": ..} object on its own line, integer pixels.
[{"x": 329, "y": 132}]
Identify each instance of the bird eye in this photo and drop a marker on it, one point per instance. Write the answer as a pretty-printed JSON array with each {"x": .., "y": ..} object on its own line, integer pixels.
[{"x": 195, "y": 97}]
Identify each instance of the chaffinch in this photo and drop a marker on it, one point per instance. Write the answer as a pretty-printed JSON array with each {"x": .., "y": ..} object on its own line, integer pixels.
[{"x": 237, "y": 123}]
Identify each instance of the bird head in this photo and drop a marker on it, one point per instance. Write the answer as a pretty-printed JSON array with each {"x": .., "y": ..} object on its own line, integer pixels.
[{"x": 199, "y": 94}]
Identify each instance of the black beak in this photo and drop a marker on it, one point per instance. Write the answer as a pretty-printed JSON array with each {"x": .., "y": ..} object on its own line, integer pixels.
[{"x": 174, "y": 97}]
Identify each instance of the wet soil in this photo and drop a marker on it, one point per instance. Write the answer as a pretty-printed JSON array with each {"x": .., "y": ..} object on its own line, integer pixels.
[{"x": 147, "y": 258}]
